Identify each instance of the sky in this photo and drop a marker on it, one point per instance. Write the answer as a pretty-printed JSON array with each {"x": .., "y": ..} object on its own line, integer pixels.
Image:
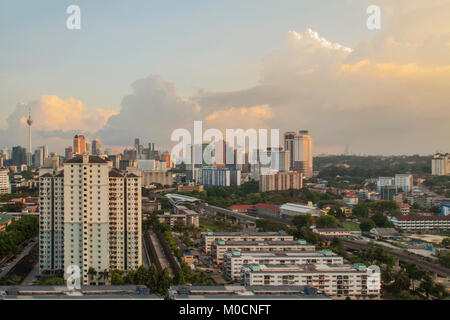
[{"x": 145, "y": 68}]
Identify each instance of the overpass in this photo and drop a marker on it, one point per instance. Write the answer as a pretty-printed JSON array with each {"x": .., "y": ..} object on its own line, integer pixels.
[{"x": 234, "y": 217}]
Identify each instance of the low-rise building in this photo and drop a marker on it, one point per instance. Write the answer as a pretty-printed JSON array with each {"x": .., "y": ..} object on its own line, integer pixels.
[
  {"x": 421, "y": 222},
  {"x": 336, "y": 281},
  {"x": 405, "y": 208},
  {"x": 220, "y": 247},
  {"x": 334, "y": 232},
  {"x": 290, "y": 210},
  {"x": 234, "y": 261},
  {"x": 187, "y": 217},
  {"x": 209, "y": 238}
]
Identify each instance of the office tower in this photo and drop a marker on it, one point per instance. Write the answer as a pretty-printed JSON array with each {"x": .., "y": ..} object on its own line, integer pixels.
[
  {"x": 137, "y": 145},
  {"x": 299, "y": 147},
  {"x": 100, "y": 211},
  {"x": 5, "y": 187},
  {"x": 5, "y": 154},
  {"x": 403, "y": 182},
  {"x": 19, "y": 156},
  {"x": 440, "y": 164},
  {"x": 115, "y": 159},
  {"x": 29, "y": 155},
  {"x": 281, "y": 181},
  {"x": 289, "y": 138},
  {"x": 39, "y": 157},
  {"x": 130, "y": 154},
  {"x": 88, "y": 147},
  {"x": 303, "y": 160},
  {"x": 96, "y": 147},
  {"x": 79, "y": 145},
  {"x": 68, "y": 153},
  {"x": 167, "y": 158}
]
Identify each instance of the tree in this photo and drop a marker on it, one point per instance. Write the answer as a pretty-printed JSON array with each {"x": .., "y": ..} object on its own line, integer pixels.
[
  {"x": 302, "y": 221},
  {"x": 130, "y": 278},
  {"x": 117, "y": 278},
  {"x": 327, "y": 222},
  {"x": 179, "y": 278},
  {"x": 379, "y": 219},
  {"x": 152, "y": 277},
  {"x": 141, "y": 276},
  {"x": 103, "y": 275},
  {"x": 367, "y": 225},
  {"x": 164, "y": 282}
]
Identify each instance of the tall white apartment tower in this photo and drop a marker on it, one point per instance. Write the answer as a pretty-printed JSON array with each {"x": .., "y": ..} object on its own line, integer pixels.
[
  {"x": 51, "y": 221},
  {"x": 100, "y": 212},
  {"x": 125, "y": 229},
  {"x": 440, "y": 164}
]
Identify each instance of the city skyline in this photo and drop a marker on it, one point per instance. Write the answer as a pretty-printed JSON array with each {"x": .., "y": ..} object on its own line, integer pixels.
[{"x": 340, "y": 82}]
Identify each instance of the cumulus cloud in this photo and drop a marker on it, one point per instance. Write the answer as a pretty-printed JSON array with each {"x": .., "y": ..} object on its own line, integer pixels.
[
  {"x": 151, "y": 113},
  {"x": 389, "y": 95},
  {"x": 55, "y": 121}
]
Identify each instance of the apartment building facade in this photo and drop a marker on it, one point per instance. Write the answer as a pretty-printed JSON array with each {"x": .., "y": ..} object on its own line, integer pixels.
[
  {"x": 336, "y": 281},
  {"x": 220, "y": 247},
  {"x": 281, "y": 181},
  {"x": 5, "y": 186},
  {"x": 421, "y": 222},
  {"x": 90, "y": 217},
  {"x": 235, "y": 261},
  {"x": 208, "y": 238}
]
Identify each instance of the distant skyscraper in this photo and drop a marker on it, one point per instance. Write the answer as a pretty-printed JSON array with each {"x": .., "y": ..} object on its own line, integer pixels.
[
  {"x": 96, "y": 147},
  {"x": 440, "y": 164},
  {"x": 68, "y": 153},
  {"x": 79, "y": 145},
  {"x": 19, "y": 156},
  {"x": 29, "y": 155}
]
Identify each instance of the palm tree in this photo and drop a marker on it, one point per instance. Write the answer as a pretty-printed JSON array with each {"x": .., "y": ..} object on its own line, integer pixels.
[{"x": 103, "y": 275}]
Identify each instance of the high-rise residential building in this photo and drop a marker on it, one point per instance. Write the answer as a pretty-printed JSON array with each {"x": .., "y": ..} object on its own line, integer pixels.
[
  {"x": 79, "y": 145},
  {"x": 220, "y": 177},
  {"x": 440, "y": 164},
  {"x": 5, "y": 187},
  {"x": 96, "y": 147},
  {"x": 90, "y": 217},
  {"x": 68, "y": 153},
  {"x": 403, "y": 182},
  {"x": 299, "y": 146},
  {"x": 281, "y": 181}
]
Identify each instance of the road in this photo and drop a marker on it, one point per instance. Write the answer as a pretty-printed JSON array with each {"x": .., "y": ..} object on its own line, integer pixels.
[
  {"x": 145, "y": 257},
  {"x": 28, "y": 280},
  {"x": 25, "y": 251},
  {"x": 432, "y": 267},
  {"x": 160, "y": 253}
]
